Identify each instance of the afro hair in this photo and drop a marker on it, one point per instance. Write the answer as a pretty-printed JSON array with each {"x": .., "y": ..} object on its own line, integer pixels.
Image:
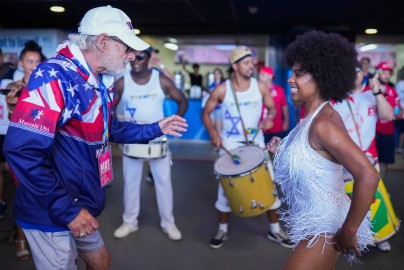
[{"x": 331, "y": 60}]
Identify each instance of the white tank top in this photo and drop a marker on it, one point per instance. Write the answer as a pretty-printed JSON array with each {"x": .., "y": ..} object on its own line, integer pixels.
[
  {"x": 364, "y": 114},
  {"x": 143, "y": 103},
  {"x": 250, "y": 103}
]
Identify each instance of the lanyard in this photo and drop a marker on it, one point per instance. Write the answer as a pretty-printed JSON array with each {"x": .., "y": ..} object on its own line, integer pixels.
[
  {"x": 105, "y": 108},
  {"x": 239, "y": 112},
  {"x": 355, "y": 123}
]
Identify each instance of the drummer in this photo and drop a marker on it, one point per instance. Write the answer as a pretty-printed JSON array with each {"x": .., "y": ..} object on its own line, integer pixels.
[
  {"x": 142, "y": 91},
  {"x": 360, "y": 112},
  {"x": 240, "y": 127}
]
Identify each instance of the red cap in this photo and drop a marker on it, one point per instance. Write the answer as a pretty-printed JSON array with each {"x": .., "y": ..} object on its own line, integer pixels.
[
  {"x": 384, "y": 66},
  {"x": 267, "y": 70}
]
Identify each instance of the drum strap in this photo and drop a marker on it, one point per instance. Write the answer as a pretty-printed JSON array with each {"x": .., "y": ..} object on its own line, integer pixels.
[
  {"x": 355, "y": 123},
  {"x": 247, "y": 142}
]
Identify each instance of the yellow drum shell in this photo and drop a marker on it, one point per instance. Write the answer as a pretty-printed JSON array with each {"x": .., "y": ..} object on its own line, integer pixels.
[{"x": 251, "y": 193}]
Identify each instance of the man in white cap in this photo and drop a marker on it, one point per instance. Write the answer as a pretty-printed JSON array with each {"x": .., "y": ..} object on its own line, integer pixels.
[
  {"x": 241, "y": 98},
  {"x": 57, "y": 142}
]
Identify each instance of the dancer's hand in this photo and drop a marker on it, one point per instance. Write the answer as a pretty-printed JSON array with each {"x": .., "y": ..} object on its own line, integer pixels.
[
  {"x": 346, "y": 242},
  {"x": 272, "y": 146}
]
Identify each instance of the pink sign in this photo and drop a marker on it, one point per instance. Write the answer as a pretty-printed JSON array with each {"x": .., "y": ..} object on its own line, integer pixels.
[{"x": 105, "y": 166}]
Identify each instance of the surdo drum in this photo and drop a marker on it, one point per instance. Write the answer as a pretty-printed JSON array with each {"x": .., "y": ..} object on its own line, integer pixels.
[
  {"x": 152, "y": 150},
  {"x": 248, "y": 185},
  {"x": 382, "y": 215}
]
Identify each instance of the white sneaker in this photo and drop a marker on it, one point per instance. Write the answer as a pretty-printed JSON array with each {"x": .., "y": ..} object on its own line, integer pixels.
[
  {"x": 281, "y": 238},
  {"x": 384, "y": 246},
  {"x": 124, "y": 230},
  {"x": 173, "y": 232}
]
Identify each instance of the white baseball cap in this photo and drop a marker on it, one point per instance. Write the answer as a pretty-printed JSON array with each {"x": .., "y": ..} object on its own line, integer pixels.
[{"x": 111, "y": 21}]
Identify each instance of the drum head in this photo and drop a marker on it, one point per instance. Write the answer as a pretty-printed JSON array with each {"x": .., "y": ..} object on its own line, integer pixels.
[{"x": 250, "y": 156}]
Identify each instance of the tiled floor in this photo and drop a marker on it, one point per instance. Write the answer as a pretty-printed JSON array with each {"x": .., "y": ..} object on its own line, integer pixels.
[{"x": 194, "y": 196}]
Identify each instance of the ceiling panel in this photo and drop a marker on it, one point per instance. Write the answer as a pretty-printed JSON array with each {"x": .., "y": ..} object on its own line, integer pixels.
[{"x": 216, "y": 16}]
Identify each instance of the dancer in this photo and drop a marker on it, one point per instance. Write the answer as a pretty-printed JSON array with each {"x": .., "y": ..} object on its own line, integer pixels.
[{"x": 321, "y": 220}]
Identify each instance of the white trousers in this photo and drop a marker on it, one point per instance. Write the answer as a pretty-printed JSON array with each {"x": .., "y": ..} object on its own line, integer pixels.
[{"x": 132, "y": 174}]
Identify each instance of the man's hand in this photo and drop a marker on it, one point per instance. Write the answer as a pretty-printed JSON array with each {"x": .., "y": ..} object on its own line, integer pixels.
[
  {"x": 172, "y": 125},
  {"x": 267, "y": 122},
  {"x": 84, "y": 224},
  {"x": 374, "y": 83},
  {"x": 215, "y": 138}
]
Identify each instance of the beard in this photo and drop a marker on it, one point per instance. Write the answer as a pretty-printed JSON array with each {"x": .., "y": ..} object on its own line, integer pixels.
[{"x": 112, "y": 65}]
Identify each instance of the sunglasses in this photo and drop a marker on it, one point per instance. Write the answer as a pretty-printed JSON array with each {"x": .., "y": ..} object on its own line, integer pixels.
[
  {"x": 140, "y": 57},
  {"x": 128, "y": 49}
]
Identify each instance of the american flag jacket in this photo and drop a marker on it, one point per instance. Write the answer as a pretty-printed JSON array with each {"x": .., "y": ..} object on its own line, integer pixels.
[{"x": 54, "y": 135}]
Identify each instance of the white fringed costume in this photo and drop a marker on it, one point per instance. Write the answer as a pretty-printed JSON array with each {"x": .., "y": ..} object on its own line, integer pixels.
[{"x": 314, "y": 190}]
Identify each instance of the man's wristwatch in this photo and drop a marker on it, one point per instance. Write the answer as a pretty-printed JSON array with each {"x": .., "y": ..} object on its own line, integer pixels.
[{"x": 378, "y": 92}]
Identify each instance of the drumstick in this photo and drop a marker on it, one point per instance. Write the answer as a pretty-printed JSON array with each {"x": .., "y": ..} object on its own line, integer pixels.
[
  {"x": 236, "y": 159},
  {"x": 256, "y": 133}
]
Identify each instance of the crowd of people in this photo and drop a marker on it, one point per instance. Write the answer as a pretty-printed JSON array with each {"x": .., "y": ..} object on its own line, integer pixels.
[{"x": 65, "y": 110}]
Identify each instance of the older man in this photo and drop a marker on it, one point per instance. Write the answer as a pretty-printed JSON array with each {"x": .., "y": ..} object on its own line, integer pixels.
[{"x": 57, "y": 142}]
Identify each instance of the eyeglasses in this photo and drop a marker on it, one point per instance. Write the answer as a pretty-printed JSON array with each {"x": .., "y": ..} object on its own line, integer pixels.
[
  {"x": 140, "y": 57},
  {"x": 128, "y": 49}
]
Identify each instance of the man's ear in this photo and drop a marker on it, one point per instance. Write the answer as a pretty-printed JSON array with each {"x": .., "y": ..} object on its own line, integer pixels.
[{"x": 102, "y": 42}]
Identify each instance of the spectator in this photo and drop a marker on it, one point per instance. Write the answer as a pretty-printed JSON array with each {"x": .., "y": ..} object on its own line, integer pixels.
[
  {"x": 155, "y": 62},
  {"x": 194, "y": 76},
  {"x": 385, "y": 130},
  {"x": 365, "y": 62},
  {"x": 6, "y": 76},
  {"x": 30, "y": 56},
  {"x": 281, "y": 120},
  {"x": 400, "y": 122},
  {"x": 6, "y": 71}
]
